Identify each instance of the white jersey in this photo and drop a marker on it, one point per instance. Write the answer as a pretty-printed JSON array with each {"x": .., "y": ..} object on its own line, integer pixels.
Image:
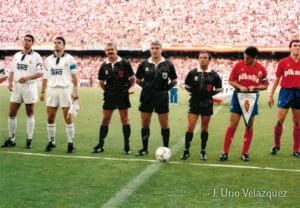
[
  {"x": 59, "y": 70},
  {"x": 26, "y": 65}
]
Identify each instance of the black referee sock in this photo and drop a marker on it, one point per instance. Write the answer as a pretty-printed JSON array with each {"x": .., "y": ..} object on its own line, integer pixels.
[
  {"x": 204, "y": 138},
  {"x": 165, "y": 135},
  {"x": 145, "y": 137},
  {"x": 188, "y": 139},
  {"x": 102, "y": 134},
  {"x": 126, "y": 133}
]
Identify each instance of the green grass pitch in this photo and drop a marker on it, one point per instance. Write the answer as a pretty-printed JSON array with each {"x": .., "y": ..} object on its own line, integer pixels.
[{"x": 33, "y": 178}]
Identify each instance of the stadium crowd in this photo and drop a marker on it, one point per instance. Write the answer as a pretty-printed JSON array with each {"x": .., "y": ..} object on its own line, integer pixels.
[
  {"x": 134, "y": 23},
  {"x": 88, "y": 67}
]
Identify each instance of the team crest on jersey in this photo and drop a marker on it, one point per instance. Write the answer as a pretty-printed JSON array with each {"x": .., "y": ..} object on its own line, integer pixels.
[
  {"x": 106, "y": 72},
  {"x": 30, "y": 62},
  {"x": 209, "y": 87},
  {"x": 121, "y": 73},
  {"x": 196, "y": 78},
  {"x": 259, "y": 74},
  {"x": 147, "y": 69},
  {"x": 164, "y": 75}
]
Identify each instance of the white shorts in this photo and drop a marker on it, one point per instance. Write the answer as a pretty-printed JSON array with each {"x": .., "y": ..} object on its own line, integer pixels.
[
  {"x": 59, "y": 97},
  {"x": 24, "y": 93}
]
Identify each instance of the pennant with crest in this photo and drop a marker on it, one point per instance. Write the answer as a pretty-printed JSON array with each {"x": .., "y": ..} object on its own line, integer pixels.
[{"x": 247, "y": 102}]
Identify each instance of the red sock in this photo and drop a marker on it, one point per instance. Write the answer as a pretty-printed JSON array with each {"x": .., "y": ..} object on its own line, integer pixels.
[
  {"x": 248, "y": 135},
  {"x": 296, "y": 136},
  {"x": 228, "y": 139},
  {"x": 277, "y": 135}
]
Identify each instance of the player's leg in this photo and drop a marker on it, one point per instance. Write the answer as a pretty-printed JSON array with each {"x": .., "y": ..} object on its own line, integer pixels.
[
  {"x": 248, "y": 136},
  {"x": 70, "y": 129},
  {"x": 145, "y": 132},
  {"x": 30, "y": 124},
  {"x": 296, "y": 132},
  {"x": 204, "y": 135},
  {"x": 165, "y": 130},
  {"x": 107, "y": 114},
  {"x": 233, "y": 124},
  {"x": 12, "y": 124},
  {"x": 192, "y": 120},
  {"x": 126, "y": 129},
  {"x": 51, "y": 128},
  {"x": 281, "y": 115}
]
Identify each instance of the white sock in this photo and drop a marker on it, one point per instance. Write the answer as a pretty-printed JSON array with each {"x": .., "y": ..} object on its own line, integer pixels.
[
  {"x": 51, "y": 128},
  {"x": 30, "y": 127},
  {"x": 12, "y": 126},
  {"x": 70, "y": 130}
]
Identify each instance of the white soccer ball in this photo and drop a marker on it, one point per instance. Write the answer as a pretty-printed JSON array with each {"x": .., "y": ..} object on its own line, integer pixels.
[{"x": 163, "y": 154}]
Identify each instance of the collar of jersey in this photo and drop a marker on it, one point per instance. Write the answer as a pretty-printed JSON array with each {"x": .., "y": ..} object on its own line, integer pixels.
[
  {"x": 30, "y": 52},
  {"x": 200, "y": 70},
  {"x": 150, "y": 60},
  {"x": 118, "y": 60}
]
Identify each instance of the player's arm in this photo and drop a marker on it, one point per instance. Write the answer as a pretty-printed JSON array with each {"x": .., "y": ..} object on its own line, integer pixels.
[
  {"x": 131, "y": 81},
  {"x": 271, "y": 99},
  {"x": 28, "y": 78},
  {"x": 10, "y": 80},
  {"x": 172, "y": 84},
  {"x": 75, "y": 87},
  {"x": 43, "y": 91},
  {"x": 238, "y": 86}
]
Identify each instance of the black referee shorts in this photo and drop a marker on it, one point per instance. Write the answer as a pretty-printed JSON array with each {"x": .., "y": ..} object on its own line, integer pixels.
[
  {"x": 203, "y": 108},
  {"x": 154, "y": 101},
  {"x": 116, "y": 101}
]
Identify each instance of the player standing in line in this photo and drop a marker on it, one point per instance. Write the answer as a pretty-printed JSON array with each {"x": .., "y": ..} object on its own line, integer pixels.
[
  {"x": 156, "y": 76},
  {"x": 246, "y": 76},
  {"x": 202, "y": 83},
  {"x": 288, "y": 74},
  {"x": 59, "y": 77},
  {"x": 115, "y": 77},
  {"x": 25, "y": 69}
]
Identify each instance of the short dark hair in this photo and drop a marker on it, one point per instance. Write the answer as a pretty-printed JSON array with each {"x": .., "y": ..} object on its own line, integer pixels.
[
  {"x": 62, "y": 39},
  {"x": 29, "y": 36},
  {"x": 156, "y": 42},
  {"x": 205, "y": 52},
  {"x": 111, "y": 44},
  {"x": 294, "y": 41},
  {"x": 251, "y": 51}
]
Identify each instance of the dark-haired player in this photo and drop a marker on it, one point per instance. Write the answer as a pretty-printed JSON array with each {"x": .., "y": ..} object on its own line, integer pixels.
[
  {"x": 156, "y": 76},
  {"x": 115, "y": 77},
  {"x": 246, "y": 76},
  {"x": 25, "y": 69},
  {"x": 202, "y": 83},
  {"x": 288, "y": 74},
  {"x": 60, "y": 80}
]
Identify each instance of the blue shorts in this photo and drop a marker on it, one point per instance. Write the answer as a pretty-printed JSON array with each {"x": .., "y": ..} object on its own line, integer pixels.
[
  {"x": 235, "y": 106},
  {"x": 289, "y": 98}
]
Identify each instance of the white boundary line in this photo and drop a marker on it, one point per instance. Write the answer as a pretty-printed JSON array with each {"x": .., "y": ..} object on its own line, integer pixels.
[{"x": 152, "y": 161}]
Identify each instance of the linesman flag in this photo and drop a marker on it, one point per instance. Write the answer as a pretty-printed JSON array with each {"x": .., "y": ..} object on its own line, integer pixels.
[{"x": 247, "y": 102}]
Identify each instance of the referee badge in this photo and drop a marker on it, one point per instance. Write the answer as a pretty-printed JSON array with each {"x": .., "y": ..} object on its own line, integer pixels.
[
  {"x": 121, "y": 73},
  {"x": 165, "y": 75},
  {"x": 106, "y": 72},
  {"x": 196, "y": 78}
]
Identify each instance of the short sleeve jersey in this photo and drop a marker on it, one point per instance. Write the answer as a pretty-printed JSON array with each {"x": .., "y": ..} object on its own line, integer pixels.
[
  {"x": 116, "y": 75},
  {"x": 289, "y": 72},
  {"x": 59, "y": 70},
  {"x": 249, "y": 75},
  {"x": 26, "y": 65},
  {"x": 202, "y": 84},
  {"x": 157, "y": 76}
]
